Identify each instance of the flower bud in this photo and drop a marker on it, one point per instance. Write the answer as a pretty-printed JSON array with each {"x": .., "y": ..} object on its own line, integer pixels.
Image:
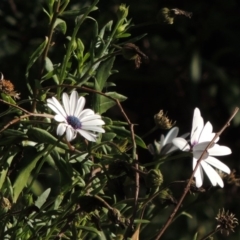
[
  {"x": 154, "y": 178},
  {"x": 5, "y": 205},
  {"x": 122, "y": 11}
]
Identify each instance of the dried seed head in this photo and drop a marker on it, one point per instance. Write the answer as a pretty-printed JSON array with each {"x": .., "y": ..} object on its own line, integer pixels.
[
  {"x": 8, "y": 88},
  {"x": 131, "y": 52},
  {"x": 167, "y": 15},
  {"x": 226, "y": 222},
  {"x": 162, "y": 121}
]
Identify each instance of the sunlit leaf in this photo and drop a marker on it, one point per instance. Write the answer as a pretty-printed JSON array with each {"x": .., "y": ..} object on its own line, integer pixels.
[
  {"x": 106, "y": 103},
  {"x": 36, "y": 55},
  {"x": 75, "y": 13},
  {"x": 60, "y": 25},
  {"x": 41, "y": 135},
  {"x": 42, "y": 198}
]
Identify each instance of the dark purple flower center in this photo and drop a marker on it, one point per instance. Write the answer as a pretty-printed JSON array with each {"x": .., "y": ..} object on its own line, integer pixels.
[{"x": 74, "y": 122}]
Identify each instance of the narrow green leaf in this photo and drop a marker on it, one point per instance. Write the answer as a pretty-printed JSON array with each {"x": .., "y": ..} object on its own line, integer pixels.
[
  {"x": 106, "y": 103},
  {"x": 36, "y": 55},
  {"x": 195, "y": 236},
  {"x": 141, "y": 221},
  {"x": 51, "y": 71},
  {"x": 43, "y": 136},
  {"x": 60, "y": 25},
  {"x": 75, "y": 13},
  {"x": 89, "y": 229},
  {"x": 4, "y": 172},
  {"x": 104, "y": 71},
  {"x": 42, "y": 198},
  {"x": 123, "y": 35},
  {"x": 24, "y": 174}
]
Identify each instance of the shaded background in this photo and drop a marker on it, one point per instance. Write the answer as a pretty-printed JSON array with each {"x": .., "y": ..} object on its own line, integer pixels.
[{"x": 192, "y": 63}]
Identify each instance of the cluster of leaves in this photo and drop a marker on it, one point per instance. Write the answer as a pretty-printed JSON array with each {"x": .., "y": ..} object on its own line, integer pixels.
[{"x": 53, "y": 190}]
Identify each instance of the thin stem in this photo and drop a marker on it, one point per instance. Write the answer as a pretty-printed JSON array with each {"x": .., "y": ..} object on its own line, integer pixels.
[
  {"x": 45, "y": 52},
  {"x": 168, "y": 222},
  {"x": 210, "y": 234}
]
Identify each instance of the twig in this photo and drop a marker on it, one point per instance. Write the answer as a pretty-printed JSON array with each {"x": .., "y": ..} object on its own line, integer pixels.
[{"x": 168, "y": 222}]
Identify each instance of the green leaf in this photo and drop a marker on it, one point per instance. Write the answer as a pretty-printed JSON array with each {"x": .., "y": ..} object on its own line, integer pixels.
[
  {"x": 108, "y": 136},
  {"x": 106, "y": 103},
  {"x": 123, "y": 35},
  {"x": 104, "y": 71},
  {"x": 141, "y": 221},
  {"x": 42, "y": 198},
  {"x": 24, "y": 174},
  {"x": 4, "y": 172},
  {"x": 124, "y": 133},
  {"x": 76, "y": 13},
  {"x": 43, "y": 136},
  {"x": 51, "y": 71},
  {"x": 7, "y": 98},
  {"x": 195, "y": 236},
  {"x": 60, "y": 25},
  {"x": 89, "y": 229},
  {"x": 36, "y": 55}
]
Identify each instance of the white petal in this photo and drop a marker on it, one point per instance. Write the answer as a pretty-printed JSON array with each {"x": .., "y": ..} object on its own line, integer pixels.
[
  {"x": 89, "y": 136},
  {"x": 80, "y": 105},
  {"x": 70, "y": 133},
  {"x": 218, "y": 150},
  {"x": 86, "y": 112},
  {"x": 56, "y": 106},
  {"x": 59, "y": 118},
  {"x": 73, "y": 102},
  {"x": 171, "y": 135},
  {"x": 212, "y": 174},
  {"x": 200, "y": 146},
  {"x": 181, "y": 143},
  {"x": 61, "y": 129},
  {"x": 161, "y": 140},
  {"x": 198, "y": 174},
  {"x": 198, "y": 154},
  {"x": 93, "y": 128},
  {"x": 197, "y": 126},
  {"x": 96, "y": 122},
  {"x": 65, "y": 100},
  {"x": 209, "y": 172},
  {"x": 90, "y": 117},
  {"x": 206, "y": 134},
  {"x": 218, "y": 164}
]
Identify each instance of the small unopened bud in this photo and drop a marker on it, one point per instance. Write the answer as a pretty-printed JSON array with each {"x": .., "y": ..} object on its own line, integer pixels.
[
  {"x": 162, "y": 120},
  {"x": 122, "y": 11},
  {"x": 154, "y": 178},
  {"x": 5, "y": 205}
]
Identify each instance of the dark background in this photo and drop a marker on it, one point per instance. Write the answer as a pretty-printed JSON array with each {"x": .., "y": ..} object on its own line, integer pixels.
[{"x": 192, "y": 63}]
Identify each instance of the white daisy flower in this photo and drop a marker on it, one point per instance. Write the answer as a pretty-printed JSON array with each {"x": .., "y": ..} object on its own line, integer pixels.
[
  {"x": 201, "y": 136},
  {"x": 73, "y": 119},
  {"x": 165, "y": 145}
]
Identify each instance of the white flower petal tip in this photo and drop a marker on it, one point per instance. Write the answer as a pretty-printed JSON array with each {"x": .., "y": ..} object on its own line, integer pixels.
[
  {"x": 201, "y": 136},
  {"x": 73, "y": 119}
]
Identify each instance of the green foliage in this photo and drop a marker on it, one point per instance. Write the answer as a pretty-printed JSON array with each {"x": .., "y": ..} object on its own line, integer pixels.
[{"x": 51, "y": 188}]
